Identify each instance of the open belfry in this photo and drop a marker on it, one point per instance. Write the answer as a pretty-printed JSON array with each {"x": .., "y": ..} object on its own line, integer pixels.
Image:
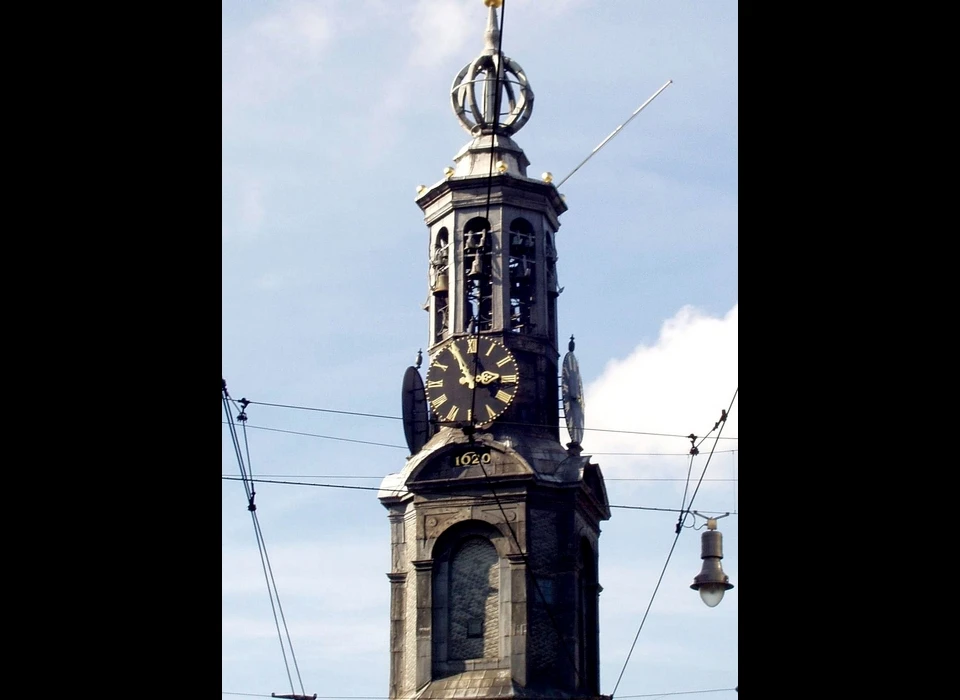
[{"x": 494, "y": 523}]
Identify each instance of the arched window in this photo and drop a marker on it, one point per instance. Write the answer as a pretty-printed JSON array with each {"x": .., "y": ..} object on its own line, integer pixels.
[
  {"x": 478, "y": 275},
  {"x": 474, "y": 601},
  {"x": 522, "y": 265},
  {"x": 466, "y": 625},
  {"x": 440, "y": 284}
]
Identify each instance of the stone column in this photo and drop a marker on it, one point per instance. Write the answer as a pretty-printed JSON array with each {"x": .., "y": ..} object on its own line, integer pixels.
[
  {"x": 397, "y": 596},
  {"x": 424, "y": 636},
  {"x": 518, "y": 617}
]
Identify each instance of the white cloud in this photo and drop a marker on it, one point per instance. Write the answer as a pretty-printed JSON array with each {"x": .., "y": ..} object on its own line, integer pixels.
[
  {"x": 272, "y": 280},
  {"x": 677, "y": 386},
  {"x": 299, "y": 28},
  {"x": 252, "y": 210},
  {"x": 269, "y": 57},
  {"x": 442, "y": 29},
  {"x": 242, "y": 206},
  {"x": 318, "y": 570}
]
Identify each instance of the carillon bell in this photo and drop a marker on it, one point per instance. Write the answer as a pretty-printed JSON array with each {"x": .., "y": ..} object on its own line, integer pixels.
[
  {"x": 442, "y": 284},
  {"x": 475, "y": 269}
]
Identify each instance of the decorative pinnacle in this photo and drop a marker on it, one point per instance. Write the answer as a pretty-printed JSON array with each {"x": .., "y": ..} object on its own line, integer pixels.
[
  {"x": 492, "y": 35},
  {"x": 489, "y": 82},
  {"x": 570, "y": 345}
]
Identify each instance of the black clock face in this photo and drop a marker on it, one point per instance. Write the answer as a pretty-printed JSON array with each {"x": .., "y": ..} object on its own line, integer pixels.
[{"x": 471, "y": 380}]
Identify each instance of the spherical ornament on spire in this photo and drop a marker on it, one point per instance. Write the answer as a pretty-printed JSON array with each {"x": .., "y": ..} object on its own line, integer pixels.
[{"x": 491, "y": 94}]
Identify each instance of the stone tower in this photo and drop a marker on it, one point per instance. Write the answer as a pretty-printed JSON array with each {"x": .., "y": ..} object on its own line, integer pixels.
[{"x": 494, "y": 525}]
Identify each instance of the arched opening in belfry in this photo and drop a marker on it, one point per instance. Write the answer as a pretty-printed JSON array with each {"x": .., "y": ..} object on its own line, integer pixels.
[
  {"x": 440, "y": 284},
  {"x": 522, "y": 269},
  {"x": 478, "y": 275}
]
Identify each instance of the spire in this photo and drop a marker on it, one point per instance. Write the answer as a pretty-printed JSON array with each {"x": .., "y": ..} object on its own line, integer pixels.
[
  {"x": 491, "y": 70},
  {"x": 493, "y": 32}
]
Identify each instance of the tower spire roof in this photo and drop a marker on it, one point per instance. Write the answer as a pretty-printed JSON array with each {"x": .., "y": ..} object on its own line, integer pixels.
[
  {"x": 492, "y": 35},
  {"x": 489, "y": 82}
]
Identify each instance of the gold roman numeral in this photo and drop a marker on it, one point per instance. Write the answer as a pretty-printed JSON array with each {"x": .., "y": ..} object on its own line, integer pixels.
[
  {"x": 490, "y": 349},
  {"x": 471, "y": 344},
  {"x": 435, "y": 384},
  {"x": 490, "y": 412},
  {"x": 438, "y": 402},
  {"x": 503, "y": 396},
  {"x": 502, "y": 362},
  {"x": 452, "y": 416},
  {"x": 509, "y": 379},
  {"x": 443, "y": 367}
]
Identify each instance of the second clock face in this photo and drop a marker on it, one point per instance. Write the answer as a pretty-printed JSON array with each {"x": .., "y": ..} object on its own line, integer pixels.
[
  {"x": 471, "y": 379},
  {"x": 571, "y": 386}
]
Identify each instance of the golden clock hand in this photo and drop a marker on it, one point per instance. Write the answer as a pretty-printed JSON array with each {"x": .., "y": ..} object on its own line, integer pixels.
[
  {"x": 487, "y": 377},
  {"x": 467, "y": 377}
]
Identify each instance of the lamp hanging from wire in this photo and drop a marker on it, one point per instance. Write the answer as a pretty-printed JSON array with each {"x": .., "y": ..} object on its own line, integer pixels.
[{"x": 711, "y": 582}]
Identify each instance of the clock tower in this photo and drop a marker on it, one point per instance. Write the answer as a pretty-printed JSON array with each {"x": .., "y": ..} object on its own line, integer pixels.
[{"x": 494, "y": 523}]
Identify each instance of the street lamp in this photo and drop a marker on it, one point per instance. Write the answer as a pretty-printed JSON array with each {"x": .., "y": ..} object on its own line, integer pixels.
[{"x": 711, "y": 581}]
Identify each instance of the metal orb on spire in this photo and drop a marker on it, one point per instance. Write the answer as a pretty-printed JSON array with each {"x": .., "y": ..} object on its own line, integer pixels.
[{"x": 474, "y": 95}]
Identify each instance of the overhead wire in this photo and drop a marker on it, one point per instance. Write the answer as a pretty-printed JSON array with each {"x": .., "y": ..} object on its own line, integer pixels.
[
  {"x": 383, "y": 697},
  {"x": 246, "y": 475},
  {"x": 404, "y": 447},
  {"x": 351, "y": 487},
  {"x": 720, "y": 423},
  {"x": 381, "y": 476},
  {"x": 552, "y": 697},
  {"x": 534, "y": 425}
]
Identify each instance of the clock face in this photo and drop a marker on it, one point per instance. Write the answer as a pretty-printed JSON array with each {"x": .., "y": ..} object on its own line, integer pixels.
[
  {"x": 471, "y": 380},
  {"x": 572, "y": 389}
]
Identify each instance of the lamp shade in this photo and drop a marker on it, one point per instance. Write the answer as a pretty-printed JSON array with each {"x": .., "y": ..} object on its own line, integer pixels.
[{"x": 711, "y": 582}]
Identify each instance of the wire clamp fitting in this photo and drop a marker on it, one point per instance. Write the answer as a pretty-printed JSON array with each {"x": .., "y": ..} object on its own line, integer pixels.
[{"x": 723, "y": 418}]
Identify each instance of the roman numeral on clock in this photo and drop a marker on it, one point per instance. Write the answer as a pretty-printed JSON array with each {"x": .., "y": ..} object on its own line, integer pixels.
[
  {"x": 438, "y": 402},
  {"x": 503, "y": 396}
]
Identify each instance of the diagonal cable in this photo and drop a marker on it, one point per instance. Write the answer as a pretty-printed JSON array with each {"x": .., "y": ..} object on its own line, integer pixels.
[{"x": 673, "y": 546}]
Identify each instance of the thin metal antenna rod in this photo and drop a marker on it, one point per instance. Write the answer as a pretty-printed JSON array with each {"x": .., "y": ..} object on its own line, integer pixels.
[{"x": 615, "y": 132}]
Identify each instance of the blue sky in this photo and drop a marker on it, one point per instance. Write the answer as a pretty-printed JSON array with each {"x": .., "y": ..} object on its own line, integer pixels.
[{"x": 332, "y": 114}]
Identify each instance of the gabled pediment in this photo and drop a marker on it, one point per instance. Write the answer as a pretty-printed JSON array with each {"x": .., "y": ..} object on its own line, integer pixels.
[{"x": 482, "y": 458}]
